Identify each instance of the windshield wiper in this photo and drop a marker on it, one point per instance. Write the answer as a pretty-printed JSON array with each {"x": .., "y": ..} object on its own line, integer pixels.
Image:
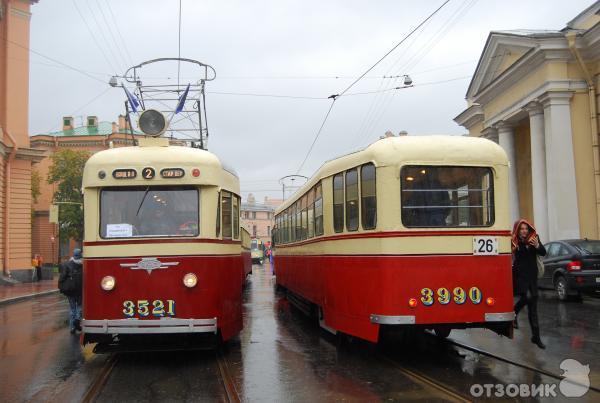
[{"x": 142, "y": 202}]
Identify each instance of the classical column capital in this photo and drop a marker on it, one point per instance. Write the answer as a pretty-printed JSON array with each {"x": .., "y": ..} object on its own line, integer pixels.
[
  {"x": 504, "y": 126},
  {"x": 490, "y": 133},
  {"x": 534, "y": 108},
  {"x": 556, "y": 98}
]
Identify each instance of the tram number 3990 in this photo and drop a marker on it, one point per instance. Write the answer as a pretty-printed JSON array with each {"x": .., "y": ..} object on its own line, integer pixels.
[
  {"x": 144, "y": 308},
  {"x": 444, "y": 296}
]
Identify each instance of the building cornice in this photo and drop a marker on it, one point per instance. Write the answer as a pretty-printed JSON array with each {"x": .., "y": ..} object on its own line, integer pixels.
[
  {"x": 470, "y": 116},
  {"x": 30, "y": 154}
]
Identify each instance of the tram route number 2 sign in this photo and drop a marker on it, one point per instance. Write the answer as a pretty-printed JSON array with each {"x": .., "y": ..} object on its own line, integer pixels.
[{"x": 485, "y": 245}]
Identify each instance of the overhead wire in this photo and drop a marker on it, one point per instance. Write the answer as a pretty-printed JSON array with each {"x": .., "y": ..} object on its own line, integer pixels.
[
  {"x": 123, "y": 42},
  {"x": 94, "y": 37},
  {"x": 336, "y": 96},
  {"x": 101, "y": 31},
  {"x": 422, "y": 52},
  {"x": 110, "y": 32},
  {"x": 394, "y": 48}
]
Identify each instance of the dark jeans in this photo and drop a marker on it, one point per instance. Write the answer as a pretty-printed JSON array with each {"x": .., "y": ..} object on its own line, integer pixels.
[
  {"x": 74, "y": 310},
  {"x": 531, "y": 302},
  {"x": 38, "y": 273}
]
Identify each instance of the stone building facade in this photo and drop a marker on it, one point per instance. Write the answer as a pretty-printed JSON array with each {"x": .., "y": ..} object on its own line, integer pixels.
[
  {"x": 258, "y": 218},
  {"x": 16, "y": 155},
  {"x": 536, "y": 94}
]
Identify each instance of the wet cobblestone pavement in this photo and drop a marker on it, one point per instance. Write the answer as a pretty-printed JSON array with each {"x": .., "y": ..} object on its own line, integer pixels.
[{"x": 281, "y": 355}]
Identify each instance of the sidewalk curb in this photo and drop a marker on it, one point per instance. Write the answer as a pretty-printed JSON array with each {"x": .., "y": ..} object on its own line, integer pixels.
[{"x": 27, "y": 296}]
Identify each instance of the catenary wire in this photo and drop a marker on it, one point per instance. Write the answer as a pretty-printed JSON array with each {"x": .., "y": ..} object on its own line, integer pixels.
[
  {"x": 124, "y": 43},
  {"x": 104, "y": 38},
  {"x": 112, "y": 36},
  {"x": 94, "y": 37}
]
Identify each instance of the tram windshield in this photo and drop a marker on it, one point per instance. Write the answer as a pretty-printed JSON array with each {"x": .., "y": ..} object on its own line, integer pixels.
[
  {"x": 149, "y": 211},
  {"x": 447, "y": 196}
]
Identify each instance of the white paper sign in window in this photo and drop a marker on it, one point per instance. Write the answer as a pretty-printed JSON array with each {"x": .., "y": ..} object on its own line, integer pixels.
[{"x": 119, "y": 230}]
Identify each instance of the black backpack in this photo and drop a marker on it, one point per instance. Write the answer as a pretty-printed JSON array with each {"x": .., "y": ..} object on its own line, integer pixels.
[{"x": 70, "y": 281}]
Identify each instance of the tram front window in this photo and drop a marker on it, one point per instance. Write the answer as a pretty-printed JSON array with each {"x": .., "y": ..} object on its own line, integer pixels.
[
  {"x": 448, "y": 196},
  {"x": 149, "y": 212}
]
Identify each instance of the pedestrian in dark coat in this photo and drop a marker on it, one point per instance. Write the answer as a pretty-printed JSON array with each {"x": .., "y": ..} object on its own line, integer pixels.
[
  {"x": 526, "y": 246},
  {"x": 70, "y": 283}
]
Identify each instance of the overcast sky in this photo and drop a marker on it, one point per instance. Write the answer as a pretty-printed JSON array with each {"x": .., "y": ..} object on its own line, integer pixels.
[{"x": 294, "y": 48}]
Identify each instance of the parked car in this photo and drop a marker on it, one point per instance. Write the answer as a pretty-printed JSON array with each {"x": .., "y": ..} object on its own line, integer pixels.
[{"x": 572, "y": 267}]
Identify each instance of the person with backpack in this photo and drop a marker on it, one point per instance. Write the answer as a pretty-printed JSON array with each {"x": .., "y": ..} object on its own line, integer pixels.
[{"x": 70, "y": 283}]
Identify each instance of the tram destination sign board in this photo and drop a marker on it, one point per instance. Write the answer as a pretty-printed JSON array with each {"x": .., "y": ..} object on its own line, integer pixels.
[
  {"x": 124, "y": 173},
  {"x": 172, "y": 173}
]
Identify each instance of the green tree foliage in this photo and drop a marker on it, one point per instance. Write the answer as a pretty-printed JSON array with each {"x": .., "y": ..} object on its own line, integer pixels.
[
  {"x": 66, "y": 172},
  {"x": 35, "y": 185}
]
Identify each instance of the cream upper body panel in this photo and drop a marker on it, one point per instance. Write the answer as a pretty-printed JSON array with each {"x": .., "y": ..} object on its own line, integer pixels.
[
  {"x": 407, "y": 150},
  {"x": 158, "y": 155}
]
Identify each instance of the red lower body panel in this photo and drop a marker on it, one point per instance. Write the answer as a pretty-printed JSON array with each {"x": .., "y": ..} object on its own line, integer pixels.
[
  {"x": 350, "y": 289},
  {"x": 217, "y": 293}
]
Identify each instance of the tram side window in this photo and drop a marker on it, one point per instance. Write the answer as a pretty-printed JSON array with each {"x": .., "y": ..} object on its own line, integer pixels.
[
  {"x": 338, "y": 202},
  {"x": 149, "y": 211},
  {"x": 447, "y": 196},
  {"x": 298, "y": 221},
  {"x": 218, "y": 231},
  {"x": 352, "y": 200},
  {"x": 293, "y": 228},
  {"x": 236, "y": 217},
  {"x": 318, "y": 210},
  {"x": 226, "y": 214},
  {"x": 304, "y": 230},
  {"x": 368, "y": 196},
  {"x": 311, "y": 213}
]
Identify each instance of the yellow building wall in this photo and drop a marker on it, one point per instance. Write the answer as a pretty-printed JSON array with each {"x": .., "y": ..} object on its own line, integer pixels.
[
  {"x": 584, "y": 165},
  {"x": 523, "y": 165}
]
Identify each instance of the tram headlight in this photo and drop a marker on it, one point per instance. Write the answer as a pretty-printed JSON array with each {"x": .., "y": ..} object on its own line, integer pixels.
[
  {"x": 152, "y": 122},
  {"x": 412, "y": 303},
  {"x": 490, "y": 301},
  {"x": 108, "y": 283},
  {"x": 190, "y": 280}
]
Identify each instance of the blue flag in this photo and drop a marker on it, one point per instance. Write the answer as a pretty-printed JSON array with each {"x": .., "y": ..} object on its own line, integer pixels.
[
  {"x": 182, "y": 98},
  {"x": 133, "y": 101}
]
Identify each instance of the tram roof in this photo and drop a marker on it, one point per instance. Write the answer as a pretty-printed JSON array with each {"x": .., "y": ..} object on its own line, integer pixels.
[
  {"x": 413, "y": 149},
  {"x": 159, "y": 156}
]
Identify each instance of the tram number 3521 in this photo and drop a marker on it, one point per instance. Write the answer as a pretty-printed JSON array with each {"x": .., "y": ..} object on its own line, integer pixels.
[
  {"x": 144, "y": 308},
  {"x": 444, "y": 296}
]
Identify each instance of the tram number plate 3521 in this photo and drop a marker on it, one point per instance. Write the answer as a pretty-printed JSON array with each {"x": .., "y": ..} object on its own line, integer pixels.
[{"x": 144, "y": 308}]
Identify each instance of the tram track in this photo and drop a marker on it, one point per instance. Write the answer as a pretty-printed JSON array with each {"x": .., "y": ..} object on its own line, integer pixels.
[
  {"x": 514, "y": 363},
  {"x": 100, "y": 380},
  {"x": 226, "y": 379},
  {"x": 428, "y": 381}
]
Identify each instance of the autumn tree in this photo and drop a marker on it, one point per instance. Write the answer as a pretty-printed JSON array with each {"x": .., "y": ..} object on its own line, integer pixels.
[{"x": 66, "y": 172}]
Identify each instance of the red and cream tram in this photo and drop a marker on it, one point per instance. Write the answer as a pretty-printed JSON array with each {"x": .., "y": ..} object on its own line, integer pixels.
[
  {"x": 162, "y": 245},
  {"x": 411, "y": 232}
]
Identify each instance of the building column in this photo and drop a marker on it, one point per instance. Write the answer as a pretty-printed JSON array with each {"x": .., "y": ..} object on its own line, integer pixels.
[
  {"x": 506, "y": 140},
  {"x": 538, "y": 169},
  {"x": 563, "y": 210}
]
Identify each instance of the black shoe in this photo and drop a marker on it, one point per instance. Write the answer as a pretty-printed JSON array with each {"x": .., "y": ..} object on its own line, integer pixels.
[
  {"x": 72, "y": 330},
  {"x": 77, "y": 325},
  {"x": 538, "y": 342},
  {"x": 515, "y": 323}
]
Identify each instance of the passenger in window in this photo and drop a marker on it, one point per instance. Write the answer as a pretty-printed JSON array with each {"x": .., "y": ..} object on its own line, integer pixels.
[
  {"x": 526, "y": 247},
  {"x": 158, "y": 221},
  {"x": 438, "y": 201}
]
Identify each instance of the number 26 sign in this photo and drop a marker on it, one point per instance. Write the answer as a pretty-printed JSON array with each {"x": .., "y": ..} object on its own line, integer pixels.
[{"x": 485, "y": 245}]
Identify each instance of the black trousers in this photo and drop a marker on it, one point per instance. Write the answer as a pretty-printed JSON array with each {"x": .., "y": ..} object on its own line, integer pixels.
[{"x": 530, "y": 299}]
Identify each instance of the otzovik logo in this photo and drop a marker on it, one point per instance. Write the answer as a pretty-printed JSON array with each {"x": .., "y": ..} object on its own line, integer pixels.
[{"x": 149, "y": 264}]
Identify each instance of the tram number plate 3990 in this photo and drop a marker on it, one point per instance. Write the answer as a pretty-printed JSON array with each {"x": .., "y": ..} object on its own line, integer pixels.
[{"x": 144, "y": 308}]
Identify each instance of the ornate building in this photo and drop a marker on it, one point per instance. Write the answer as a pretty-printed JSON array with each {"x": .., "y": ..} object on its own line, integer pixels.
[{"x": 536, "y": 94}]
